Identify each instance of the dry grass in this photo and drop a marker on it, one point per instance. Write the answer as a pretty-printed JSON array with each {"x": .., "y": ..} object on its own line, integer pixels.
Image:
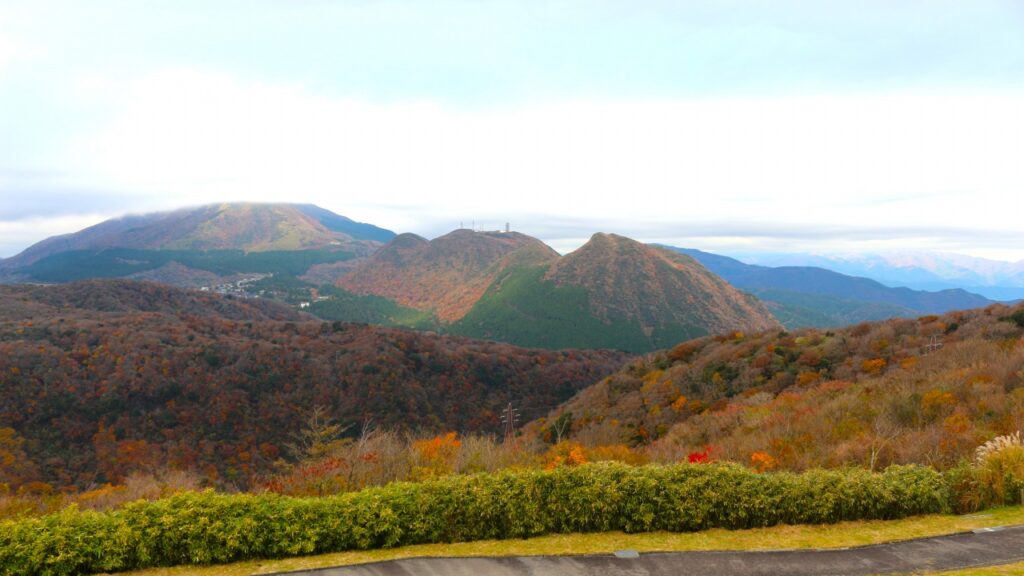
[{"x": 826, "y": 536}]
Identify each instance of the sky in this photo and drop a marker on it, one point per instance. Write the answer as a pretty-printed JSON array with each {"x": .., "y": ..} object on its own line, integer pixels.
[{"x": 746, "y": 126}]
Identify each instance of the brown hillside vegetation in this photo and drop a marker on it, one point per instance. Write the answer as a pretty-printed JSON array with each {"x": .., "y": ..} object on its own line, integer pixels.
[
  {"x": 26, "y": 302},
  {"x": 101, "y": 378},
  {"x": 447, "y": 275},
  {"x": 924, "y": 390},
  {"x": 654, "y": 286}
]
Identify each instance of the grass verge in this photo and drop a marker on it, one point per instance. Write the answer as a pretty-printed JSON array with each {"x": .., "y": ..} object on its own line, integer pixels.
[{"x": 843, "y": 534}]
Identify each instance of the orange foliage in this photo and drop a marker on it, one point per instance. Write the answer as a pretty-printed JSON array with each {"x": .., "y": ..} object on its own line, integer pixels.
[
  {"x": 807, "y": 378},
  {"x": 318, "y": 478},
  {"x": 874, "y": 366},
  {"x": 936, "y": 402},
  {"x": 956, "y": 424},
  {"x": 679, "y": 403},
  {"x": 565, "y": 453},
  {"x": 762, "y": 461},
  {"x": 439, "y": 448},
  {"x": 437, "y": 455},
  {"x": 105, "y": 491},
  {"x": 616, "y": 452}
]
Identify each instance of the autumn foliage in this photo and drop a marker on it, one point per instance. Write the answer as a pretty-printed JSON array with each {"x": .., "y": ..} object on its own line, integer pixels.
[
  {"x": 105, "y": 378},
  {"x": 870, "y": 395},
  {"x": 436, "y": 456}
]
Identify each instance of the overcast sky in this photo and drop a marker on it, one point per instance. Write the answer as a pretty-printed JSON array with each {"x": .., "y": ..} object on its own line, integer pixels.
[{"x": 723, "y": 125}]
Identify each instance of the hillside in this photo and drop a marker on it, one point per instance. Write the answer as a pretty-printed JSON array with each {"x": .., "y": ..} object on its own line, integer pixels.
[
  {"x": 612, "y": 292},
  {"x": 104, "y": 377},
  {"x": 905, "y": 390},
  {"x": 183, "y": 245},
  {"x": 655, "y": 287},
  {"x": 100, "y": 297},
  {"x": 445, "y": 276},
  {"x": 810, "y": 296}
]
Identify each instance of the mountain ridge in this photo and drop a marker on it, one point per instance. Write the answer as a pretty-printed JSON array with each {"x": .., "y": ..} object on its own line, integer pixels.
[
  {"x": 611, "y": 292},
  {"x": 783, "y": 285},
  {"x": 665, "y": 273},
  {"x": 994, "y": 279},
  {"x": 205, "y": 245},
  {"x": 246, "y": 226},
  {"x": 447, "y": 274}
]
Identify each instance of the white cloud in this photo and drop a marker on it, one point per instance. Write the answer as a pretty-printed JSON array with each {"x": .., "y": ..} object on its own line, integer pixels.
[
  {"x": 9, "y": 53},
  {"x": 843, "y": 162},
  {"x": 16, "y": 44},
  {"x": 16, "y": 235}
]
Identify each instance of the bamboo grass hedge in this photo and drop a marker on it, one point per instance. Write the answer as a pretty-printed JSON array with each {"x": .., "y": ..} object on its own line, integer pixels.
[{"x": 205, "y": 528}]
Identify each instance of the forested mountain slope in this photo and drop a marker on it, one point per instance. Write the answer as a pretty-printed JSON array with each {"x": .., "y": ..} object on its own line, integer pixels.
[
  {"x": 923, "y": 390},
  {"x": 104, "y": 377}
]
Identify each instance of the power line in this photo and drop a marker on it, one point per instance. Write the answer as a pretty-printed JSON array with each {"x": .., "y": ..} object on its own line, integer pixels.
[{"x": 509, "y": 420}]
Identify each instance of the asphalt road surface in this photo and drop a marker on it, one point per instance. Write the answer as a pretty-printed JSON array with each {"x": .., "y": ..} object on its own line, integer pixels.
[{"x": 965, "y": 550}]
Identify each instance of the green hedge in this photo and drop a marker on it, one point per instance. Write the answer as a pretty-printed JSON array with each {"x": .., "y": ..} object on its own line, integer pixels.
[{"x": 214, "y": 528}]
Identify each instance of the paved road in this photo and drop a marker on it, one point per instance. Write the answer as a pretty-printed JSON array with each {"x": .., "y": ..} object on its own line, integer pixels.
[{"x": 969, "y": 549}]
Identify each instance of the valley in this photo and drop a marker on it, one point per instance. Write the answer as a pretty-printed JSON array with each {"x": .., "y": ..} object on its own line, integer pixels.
[
  {"x": 535, "y": 287},
  {"x": 617, "y": 347},
  {"x": 414, "y": 366}
]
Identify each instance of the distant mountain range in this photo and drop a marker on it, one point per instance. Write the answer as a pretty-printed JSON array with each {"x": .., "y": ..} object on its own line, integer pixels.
[
  {"x": 812, "y": 296},
  {"x": 199, "y": 245},
  {"x": 924, "y": 271},
  {"x": 613, "y": 292}
]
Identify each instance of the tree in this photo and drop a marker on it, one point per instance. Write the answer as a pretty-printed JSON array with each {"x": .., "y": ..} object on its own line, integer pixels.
[
  {"x": 319, "y": 438},
  {"x": 15, "y": 466}
]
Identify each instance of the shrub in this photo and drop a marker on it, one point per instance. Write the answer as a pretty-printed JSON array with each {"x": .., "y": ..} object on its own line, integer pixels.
[
  {"x": 1017, "y": 318},
  {"x": 214, "y": 528},
  {"x": 965, "y": 495},
  {"x": 996, "y": 476},
  {"x": 1000, "y": 470},
  {"x": 995, "y": 445}
]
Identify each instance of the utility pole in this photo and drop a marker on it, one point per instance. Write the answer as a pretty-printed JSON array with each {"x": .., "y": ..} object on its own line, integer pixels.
[
  {"x": 933, "y": 345},
  {"x": 509, "y": 420}
]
